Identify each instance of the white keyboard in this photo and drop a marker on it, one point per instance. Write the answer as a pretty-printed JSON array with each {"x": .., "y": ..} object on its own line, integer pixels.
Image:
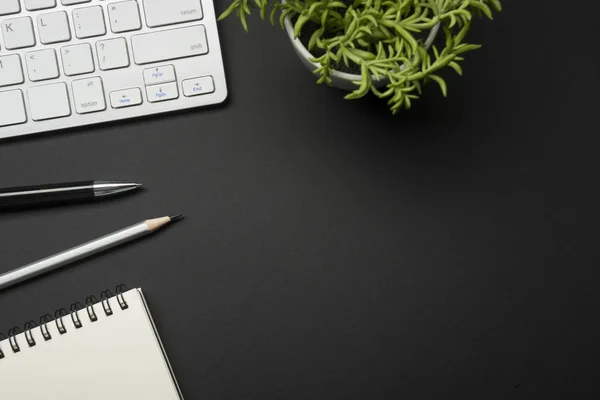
[{"x": 68, "y": 63}]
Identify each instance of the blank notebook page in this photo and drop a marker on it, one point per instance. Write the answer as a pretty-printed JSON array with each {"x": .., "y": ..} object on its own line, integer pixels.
[{"x": 119, "y": 356}]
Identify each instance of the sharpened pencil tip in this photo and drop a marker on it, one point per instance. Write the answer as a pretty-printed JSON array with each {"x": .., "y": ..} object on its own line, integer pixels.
[
  {"x": 176, "y": 217},
  {"x": 138, "y": 185}
]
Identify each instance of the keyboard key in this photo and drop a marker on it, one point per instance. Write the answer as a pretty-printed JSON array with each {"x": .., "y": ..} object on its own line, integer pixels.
[
  {"x": 124, "y": 16},
  {"x": 165, "y": 92},
  {"x": 77, "y": 59},
  {"x": 49, "y": 101},
  {"x": 18, "y": 33},
  {"x": 169, "y": 45},
  {"x": 11, "y": 71},
  {"x": 9, "y": 7},
  {"x": 89, "y": 22},
  {"x": 158, "y": 75},
  {"x": 42, "y": 65},
  {"x": 71, "y": 2},
  {"x": 112, "y": 54},
  {"x": 54, "y": 27},
  {"x": 13, "y": 108},
  {"x": 89, "y": 95},
  {"x": 161, "y": 13},
  {"x": 126, "y": 98},
  {"x": 33, "y": 5},
  {"x": 198, "y": 86}
]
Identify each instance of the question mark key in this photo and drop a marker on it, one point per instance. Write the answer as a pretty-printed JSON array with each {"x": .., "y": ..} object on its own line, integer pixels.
[{"x": 112, "y": 54}]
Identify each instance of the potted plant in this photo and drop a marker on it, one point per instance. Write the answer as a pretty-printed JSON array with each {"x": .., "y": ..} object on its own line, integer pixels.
[{"x": 384, "y": 47}]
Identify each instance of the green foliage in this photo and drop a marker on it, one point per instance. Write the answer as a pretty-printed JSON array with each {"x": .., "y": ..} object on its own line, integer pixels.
[{"x": 383, "y": 39}]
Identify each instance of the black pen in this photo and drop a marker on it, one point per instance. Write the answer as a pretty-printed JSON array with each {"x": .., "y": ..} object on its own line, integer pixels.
[{"x": 57, "y": 193}]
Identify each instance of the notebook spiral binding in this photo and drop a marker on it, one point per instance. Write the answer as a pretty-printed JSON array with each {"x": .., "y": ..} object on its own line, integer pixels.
[{"x": 59, "y": 315}]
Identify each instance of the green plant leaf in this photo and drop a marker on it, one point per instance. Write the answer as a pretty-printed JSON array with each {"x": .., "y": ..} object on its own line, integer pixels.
[
  {"x": 452, "y": 21},
  {"x": 496, "y": 4},
  {"x": 441, "y": 83},
  {"x": 464, "y": 48},
  {"x": 456, "y": 66},
  {"x": 407, "y": 36},
  {"x": 234, "y": 6},
  {"x": 243, "y": 20},
  {"x": 261, "y": 4},
  {"x": 351, "y": 28},
  {"x": 313, "y": 7},
  {"x": 302, "y": 19},
  {"x": 314, "y": 37},
  {"x": 274, "y": 13},
  {"x": 365, "y": 85},
  {"x": 483, "y": 8},
  {"x": 462, "y": 33},
  {"x": 336, "y": 4},
  {"x": 362, "y": 54}
]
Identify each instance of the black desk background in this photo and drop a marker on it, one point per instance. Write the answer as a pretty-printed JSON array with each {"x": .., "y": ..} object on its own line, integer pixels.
[{"x": 448, "y": 252}]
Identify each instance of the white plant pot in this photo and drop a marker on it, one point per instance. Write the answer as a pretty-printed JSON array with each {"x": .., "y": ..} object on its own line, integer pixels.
[{"x": 341, "y": 80}]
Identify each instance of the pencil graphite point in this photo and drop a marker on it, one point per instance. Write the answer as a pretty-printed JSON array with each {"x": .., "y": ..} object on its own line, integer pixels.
[{"x": 156, "y": 223}]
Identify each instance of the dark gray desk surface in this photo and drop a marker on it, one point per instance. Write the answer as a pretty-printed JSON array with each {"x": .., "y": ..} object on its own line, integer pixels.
[{"x": 332, "y": 251}]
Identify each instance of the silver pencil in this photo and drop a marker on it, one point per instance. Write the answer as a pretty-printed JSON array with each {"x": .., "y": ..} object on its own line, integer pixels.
[{"x": 85, "y": 250}]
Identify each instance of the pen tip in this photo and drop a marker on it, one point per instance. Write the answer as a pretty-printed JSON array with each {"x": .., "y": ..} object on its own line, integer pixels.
[
  {"x": 176, "y": 217},
  {"x": 138, "y": 185}
]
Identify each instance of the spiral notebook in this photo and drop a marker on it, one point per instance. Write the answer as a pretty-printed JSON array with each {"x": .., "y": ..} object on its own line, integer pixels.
[{"x": 107, "y": 349}]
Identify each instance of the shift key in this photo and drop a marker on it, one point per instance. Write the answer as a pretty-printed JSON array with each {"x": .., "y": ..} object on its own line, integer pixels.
[{"x": 169, "y": 45}]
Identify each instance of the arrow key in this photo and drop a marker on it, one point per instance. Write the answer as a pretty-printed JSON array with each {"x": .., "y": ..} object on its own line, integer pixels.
[
  {"x": 126, "y": 98},
  {"x": 158, "y": 75},
  {"x": 165, "y": 92},
  {"x": 198, "y": 86}
]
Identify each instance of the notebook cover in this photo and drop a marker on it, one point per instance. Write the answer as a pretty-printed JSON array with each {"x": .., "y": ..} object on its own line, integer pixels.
[{"x": 118, "y": 356}]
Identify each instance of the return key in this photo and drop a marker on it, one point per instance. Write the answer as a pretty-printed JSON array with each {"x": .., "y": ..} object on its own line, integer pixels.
[{"x": 161, "y": 12}]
